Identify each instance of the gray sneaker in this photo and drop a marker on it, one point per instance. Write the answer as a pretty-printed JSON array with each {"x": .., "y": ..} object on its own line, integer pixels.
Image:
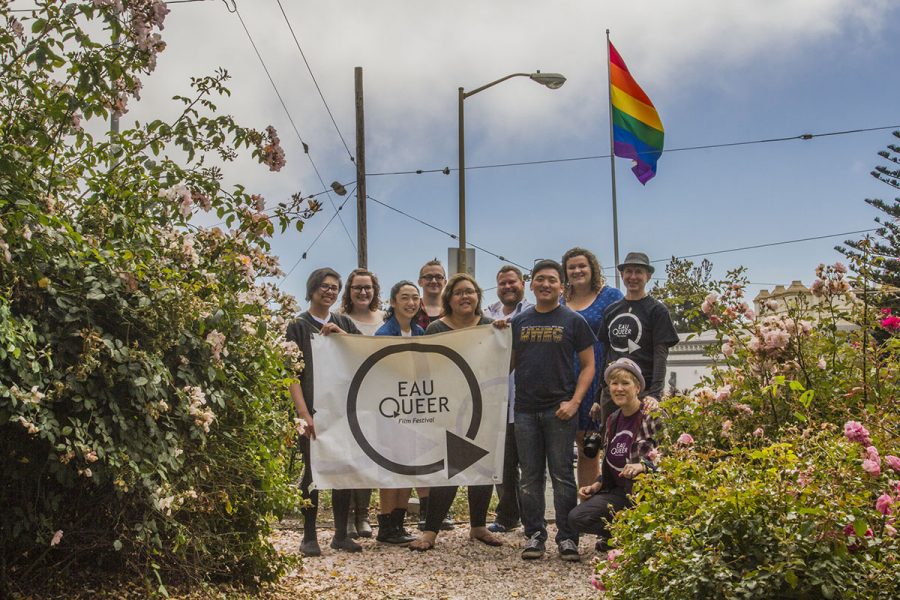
[
  {"x": 534, "y": 547},
  {"x": 568, "y": 550}
]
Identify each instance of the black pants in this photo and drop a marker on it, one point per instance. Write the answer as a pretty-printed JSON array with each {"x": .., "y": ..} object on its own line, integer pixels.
[
  {"x": 594, "y": 514},
  {"x": 441, "y": 499},
  {"x": 508, "y": 509},
  {"x": 340, "y": 499}
]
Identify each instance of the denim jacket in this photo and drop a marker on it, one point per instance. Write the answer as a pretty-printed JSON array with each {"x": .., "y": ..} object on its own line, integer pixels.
[{"x": 392, "y": 327}]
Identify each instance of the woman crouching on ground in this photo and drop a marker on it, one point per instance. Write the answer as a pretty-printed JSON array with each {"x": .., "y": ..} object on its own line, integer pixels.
[
  {"x": 461, "y": 303},
  {"x": 631, "y": 437},
  {"x": 393, "y": 503}
]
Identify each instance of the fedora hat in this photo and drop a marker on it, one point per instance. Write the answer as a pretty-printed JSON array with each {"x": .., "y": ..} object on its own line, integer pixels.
[{"x": 637, "y": 259}]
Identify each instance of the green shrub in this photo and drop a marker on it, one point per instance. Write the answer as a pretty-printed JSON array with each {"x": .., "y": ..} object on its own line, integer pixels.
[
  {"x": 144, "y": 419},
  {"x": 796, "y": 519}
]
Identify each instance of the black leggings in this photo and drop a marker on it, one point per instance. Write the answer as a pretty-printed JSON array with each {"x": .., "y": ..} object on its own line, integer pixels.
[
  {"x": 441, "y": 499},
  {"x": 340, "y": 500}
]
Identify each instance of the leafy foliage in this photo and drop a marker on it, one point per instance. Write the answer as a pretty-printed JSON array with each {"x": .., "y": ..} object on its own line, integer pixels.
[
  {"x": 879, "y": 256},
  {"x": 144, "y": 419},
  {"x": 683, "y": 291},
  {"x": 760, "y": 494}
]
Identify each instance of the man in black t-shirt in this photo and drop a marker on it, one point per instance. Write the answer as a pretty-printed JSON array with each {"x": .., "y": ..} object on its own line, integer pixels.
[
  {"x": 322, "y": 290},
  {"x": 638, "y": 327},
  {"x": 546, "y": 339}
]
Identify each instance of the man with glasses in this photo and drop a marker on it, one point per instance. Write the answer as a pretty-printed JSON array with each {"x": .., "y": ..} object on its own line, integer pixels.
[
  {"x": 511, "y": 294},
  {"x": 432, "y": 279},
  {"x": 322, "y": 289}
]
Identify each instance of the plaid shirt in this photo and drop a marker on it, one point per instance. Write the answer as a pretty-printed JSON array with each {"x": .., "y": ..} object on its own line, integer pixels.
[{"x": 646, "y": 431}]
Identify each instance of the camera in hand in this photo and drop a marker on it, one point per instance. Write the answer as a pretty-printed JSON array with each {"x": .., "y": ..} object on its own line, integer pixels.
[{"x": 592, "y": 444}]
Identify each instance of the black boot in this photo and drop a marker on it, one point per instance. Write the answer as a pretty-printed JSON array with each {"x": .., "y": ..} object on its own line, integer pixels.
[
  {"x": 340, "y": 505},
  {"x": 398, "y": 515},
  {"x": 388, "y": 533},
  {"x": 361, "y": 499},
  {"x": 423, "y": 512},
  {"x": 310, "y": 546}
]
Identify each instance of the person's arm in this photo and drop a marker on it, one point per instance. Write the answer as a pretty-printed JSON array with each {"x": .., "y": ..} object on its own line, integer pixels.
[
  {"x": 660, "y": 356},
  {"x": 302, "y": 410},
  {"x": 569, "y": 409}
]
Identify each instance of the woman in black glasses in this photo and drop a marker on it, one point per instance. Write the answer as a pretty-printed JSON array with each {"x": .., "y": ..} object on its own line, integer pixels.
[{"x": 461, "y": 303}]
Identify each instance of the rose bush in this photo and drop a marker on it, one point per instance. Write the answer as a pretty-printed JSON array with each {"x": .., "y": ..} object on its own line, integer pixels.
[
  {"x": 779, "y": 475},
  {"x": 144, "y": 420}
]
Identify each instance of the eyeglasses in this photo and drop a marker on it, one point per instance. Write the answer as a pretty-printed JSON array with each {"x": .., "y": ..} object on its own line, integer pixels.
[
  {"x": 431, "y": 277},
  {"x": 362, "y": 288},
  {"x": 329, "y": 288},
  {"x": 468, "y": 292}
]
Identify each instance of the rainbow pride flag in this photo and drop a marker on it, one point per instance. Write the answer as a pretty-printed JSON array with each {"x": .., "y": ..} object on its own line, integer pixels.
[{"x": 637, "y": 131}]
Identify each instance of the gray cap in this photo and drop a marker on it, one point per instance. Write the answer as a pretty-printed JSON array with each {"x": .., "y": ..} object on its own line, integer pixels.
[
  {"x": 638, "y": 259},
  {"x": 628, "y": 365}
]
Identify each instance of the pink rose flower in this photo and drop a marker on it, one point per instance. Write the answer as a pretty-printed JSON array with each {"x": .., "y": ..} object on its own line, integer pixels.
[
  {"x": 821, "y": 364},
  {"x": 758, "y": 432},
  {"x": 883, "y": 504},
  {"x": 685, "y": 439},
  {"x": 57, "y": 538},
  {"x": 893, "y": 462},
  {"x": 871, "y": 467},
  {"x": 855, "y": 432},
  {"x": 726, "y": 427}
]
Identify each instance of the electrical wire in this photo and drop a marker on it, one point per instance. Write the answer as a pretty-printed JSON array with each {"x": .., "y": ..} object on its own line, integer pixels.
[
  {"x": 319, "y": 89},
  {"x": 447, "y": 233},
  {"x": 804, "y": 136},
  {"x": 319, "y": 235},
  {"x": 291, "y": 120},
  {"x": 767, "y": 245}
]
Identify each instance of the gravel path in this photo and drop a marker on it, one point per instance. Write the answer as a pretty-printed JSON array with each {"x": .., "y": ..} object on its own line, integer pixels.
[{"x": 456, "y": 568}]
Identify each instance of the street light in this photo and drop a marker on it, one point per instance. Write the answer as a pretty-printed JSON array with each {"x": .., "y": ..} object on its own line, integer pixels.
[{"x": 553, "y": 81}]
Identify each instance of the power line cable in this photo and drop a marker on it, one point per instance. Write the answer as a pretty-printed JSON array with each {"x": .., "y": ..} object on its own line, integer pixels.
[
  {"x": 319, "y": 89},
  {"x": 316, "y": 239},
  {"x": 804, "y": 136},
  {"x": 757, "y": 246},
  {"x": 447, "y": 233},
  {"x": 296, "y": 131}
]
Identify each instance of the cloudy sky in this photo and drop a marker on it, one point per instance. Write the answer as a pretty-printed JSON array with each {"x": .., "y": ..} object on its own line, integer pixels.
[{"x": 718, "y": 72}]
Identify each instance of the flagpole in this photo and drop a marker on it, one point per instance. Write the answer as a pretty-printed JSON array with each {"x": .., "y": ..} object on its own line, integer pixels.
[{"x": 612, "y": 163}]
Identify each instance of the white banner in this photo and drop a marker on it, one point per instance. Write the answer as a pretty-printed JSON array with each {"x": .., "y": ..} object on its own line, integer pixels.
[{"x": 397, "y": 412}]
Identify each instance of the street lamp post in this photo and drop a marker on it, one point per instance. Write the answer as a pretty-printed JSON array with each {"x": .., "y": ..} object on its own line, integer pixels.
[{"x": 551, "y": 80}]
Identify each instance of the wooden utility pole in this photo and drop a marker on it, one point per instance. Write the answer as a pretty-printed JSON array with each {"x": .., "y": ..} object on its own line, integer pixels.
[{"x": 361, "y": 238}]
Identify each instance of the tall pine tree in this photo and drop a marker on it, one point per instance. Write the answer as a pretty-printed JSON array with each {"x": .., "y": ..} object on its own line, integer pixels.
[{"x": 879, "y": 255}]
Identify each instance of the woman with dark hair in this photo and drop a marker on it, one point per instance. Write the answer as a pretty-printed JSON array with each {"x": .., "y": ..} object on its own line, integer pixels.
[
  {"x": 361, "y": 302},
  {"x": 586, "y": 293},
  {"x": 461, "y": 303},
  {"x": 405, "y": 302}
]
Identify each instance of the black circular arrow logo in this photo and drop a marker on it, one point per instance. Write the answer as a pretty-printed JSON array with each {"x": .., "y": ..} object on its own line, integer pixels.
[{"x": 460, "y": 453}]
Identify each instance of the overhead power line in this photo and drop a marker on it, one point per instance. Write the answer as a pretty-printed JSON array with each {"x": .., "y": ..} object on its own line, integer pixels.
[
  {"x": 804, "y": 136},
  {"x": 291, "y": 120},
  {"x": 319, "y": 89},
  {"x": 319, "y": 235},
  {"x": 757, "y": 246},
  {"x": 445, "y": 232}
]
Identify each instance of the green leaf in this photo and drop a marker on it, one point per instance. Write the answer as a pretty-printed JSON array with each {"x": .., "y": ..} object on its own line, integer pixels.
[
  {"x": 791, "y": 579},
  {"x": 117, "y": 545},
  {"x": 140, "y": 381},
  {"x": 860, "y": 527},
  {"x": 797, "y": 386},
  {"x": 806, "y": 398}
]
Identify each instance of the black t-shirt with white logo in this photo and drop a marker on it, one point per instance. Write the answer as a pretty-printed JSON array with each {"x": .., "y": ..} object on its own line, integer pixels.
[{"x": 631, "y": 328}]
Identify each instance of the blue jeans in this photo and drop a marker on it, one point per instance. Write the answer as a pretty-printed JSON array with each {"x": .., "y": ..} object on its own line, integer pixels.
[{"x": 544, "y": 441}]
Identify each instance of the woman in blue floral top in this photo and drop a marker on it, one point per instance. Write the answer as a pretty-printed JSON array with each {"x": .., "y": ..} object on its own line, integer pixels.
[{"x": 586, "y": 293}]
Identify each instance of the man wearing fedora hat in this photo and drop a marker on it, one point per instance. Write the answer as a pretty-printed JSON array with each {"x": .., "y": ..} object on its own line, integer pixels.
[{"x": 637, "y": 327}]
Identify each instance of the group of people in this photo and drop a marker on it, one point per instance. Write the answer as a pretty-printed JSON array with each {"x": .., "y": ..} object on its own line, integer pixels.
[{"x": 588, "y": 364}]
